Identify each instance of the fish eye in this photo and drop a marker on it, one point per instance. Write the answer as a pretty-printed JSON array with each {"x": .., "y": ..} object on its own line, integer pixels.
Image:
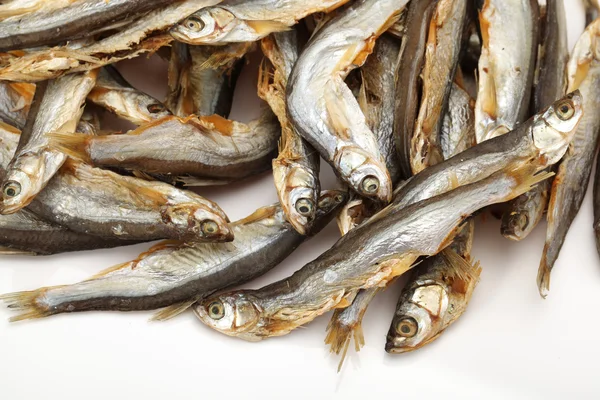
[
  {"x": 216, "y": 310},
  {"x": 407, "y": 327},
  {"x": 305, "y": 207},
  {"x": 338, "y": 198},
  {"x": 565, "y": 110},
  {"x": 11, "y": 189},
  {"x": 370, "y": 184},
  {"x": 194, "y": 24},
  {"x": 155, "y": 108},
  {"x": 209, "y": 227}
]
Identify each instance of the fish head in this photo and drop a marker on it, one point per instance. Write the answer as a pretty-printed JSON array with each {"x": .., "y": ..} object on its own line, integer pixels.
[
  {"x": 553, "y": 129},
  {"x": 330, "y": 201},
  {"x": 199, "y": 222},
  {"x": 298, "y": 191},
  {"x": 417, "y": 321},
  {"x": 24, "y": 179},
  {"x": 209, "y": 25},
  {"x": 234, "y": 314},
  {"x": 367, "y": 176}
]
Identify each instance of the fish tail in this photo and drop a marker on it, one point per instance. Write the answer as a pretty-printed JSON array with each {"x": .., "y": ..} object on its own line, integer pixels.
[
  {"x": 527, "y": 179},
  {"x": 460, "y": 267},
  {"x": 170, "y": 312},
  {"x": 340, "y": 334},
  {"x": 543, "y": 277},
  {"x": 29, "y": 304},
  {"x": 75, "y": 145}
]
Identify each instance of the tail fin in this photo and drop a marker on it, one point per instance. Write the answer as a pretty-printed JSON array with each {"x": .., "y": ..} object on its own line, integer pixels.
[
  {"x": 543, "y": 277},
  {"x": 339, "y": 335},
  {"x": 527, "y": 179},
  {"x": 75, "y": 145},
  {"x": 27, "y": 303}
]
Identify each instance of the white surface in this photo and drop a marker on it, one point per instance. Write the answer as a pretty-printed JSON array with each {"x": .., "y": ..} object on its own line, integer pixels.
[{"x": 509, "y": 344}]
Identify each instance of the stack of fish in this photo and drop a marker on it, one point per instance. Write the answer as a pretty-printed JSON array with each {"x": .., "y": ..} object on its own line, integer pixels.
[{"x": 428, "y": 111}]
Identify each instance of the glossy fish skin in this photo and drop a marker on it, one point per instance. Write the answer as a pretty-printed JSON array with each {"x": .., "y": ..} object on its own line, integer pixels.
[
  {"x": 75, "y": 20},
  {"x": 458, "y": 129},
  {"x": 434, "y": 298},
  {"x": 58, "y": 109},
  {"x": 446, "y": 30},
  {"x": 296, "y": 168},
  {"x": 206, "y": 147},
  {"x": 115, "y": 94},
  {"x": 144, "y": 35},
  {"x": 410, "y": 65},
  {"x": 368, "y": 256},
  {"x": 323, "y": 109},
  {"x": 15, "y": 100},
  {"x": 506, "y": 71},
  {"x": 525, "y": 212},
  {"x": 174, "y": 272},
  {"x": 247, "y": 20},
  {"x": 571, "y": 181},
  {"x": 544, "y": 138},
  {"x": 202, "y": 78}
]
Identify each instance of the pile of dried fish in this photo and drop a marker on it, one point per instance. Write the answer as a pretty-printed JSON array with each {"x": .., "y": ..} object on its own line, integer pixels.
[{"x": 428, "y": 111}]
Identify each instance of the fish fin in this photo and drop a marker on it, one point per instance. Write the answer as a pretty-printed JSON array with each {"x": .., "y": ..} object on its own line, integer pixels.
[
  {"x": 142, "y": 175},
  {"x": 27, "y": 304},
  {"x": 114, "y": 268},
  {"x": 340, "y": 334},
  {"x": 337, "y": 117},
  {"x": 543, "y": 277},
  {"x": 75, "y": 145},
  {"x": 261, "y": 213},
  {"x": 527, "y": 180},
  {"x": 266, "y": 27},
  {"x": 172, "y": 311},
  {"x": 192, "y": 181},
  {"x": 461, "y": 268},
  {"x": 8, "y": 251}
]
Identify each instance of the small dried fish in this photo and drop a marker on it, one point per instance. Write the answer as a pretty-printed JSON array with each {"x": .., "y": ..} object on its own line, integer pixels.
[
  {"x": 57, "y": 108},
  {"x": 247, "y": 20},
  {"x": 570, "y": 184},
  {"x": 323, "y": 109},
  {"x": 15, "y": 100},
  {"x": 209, "y": 147},
  {"x": 115, "y": 94},
  {"x": 296, "y": 168},
  {"x": 506, "y": 70},
  {"x": 525, "y": 212},
  {"x": 175, "y": 274},
  {"x": 202, "y": 78}
]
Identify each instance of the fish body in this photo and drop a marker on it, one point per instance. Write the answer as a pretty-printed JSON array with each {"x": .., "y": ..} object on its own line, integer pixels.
[
  {"x": 174, "y": 272},
  {"x": 571, "y": 181},
  {"x": 115, "y": 94},
  {"x": 58, "y": 109},
  {"x": 323, "y": 109},
  {"x": 15, "y": 100},
  {"x": 525, "y": 212},
  {"x": 296, "y": 168},
  {"x": 506, "y": 70},
  {"x": 247, "y": 20}
]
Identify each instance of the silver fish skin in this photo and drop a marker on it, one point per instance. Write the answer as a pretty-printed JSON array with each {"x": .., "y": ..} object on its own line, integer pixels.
[
  {"x": 175, "y": 275},
  {"x": 247, "y": 20},
  {"x": 205, "y": 147},
  {"x": 446, "y": 31},
  {"x": 144, "y": 35},
  {"x": 58, "y": 109},
  {"x": 434, "y": 298},
  {"x": 571, "y": 181},
  {"x": 458, "y": 129},
  {"x": 506, "y": 71},
  {"x": 368, "y": 256},
  {"x": 115, "y": 94},
  {"x": 525, "y": 212},
  {"x": 202, "y": 78},
  {"x": 15, "y": 100},
  {"x": 323, "y": 109},
  {"x": 41, "y": 28},
  {"x": 296, "y": 168}
]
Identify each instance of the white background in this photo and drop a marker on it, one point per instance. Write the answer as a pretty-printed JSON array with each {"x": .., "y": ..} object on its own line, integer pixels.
[{"x": 509, "y": 344}]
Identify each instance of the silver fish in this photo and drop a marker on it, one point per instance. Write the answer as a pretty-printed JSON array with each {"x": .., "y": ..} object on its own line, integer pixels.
[
  {"x": 57, "y": 108},
  {"x": 296, "y": 168},
  {"x": 15, "y": 100},
  {"x": 208, "y": 147},
  {"x": 571, "y": 181},
  {"x": 144, "y": 35},
  {"x": 175, "y": 275},
  {"x": 322, "y": 107},
  {"x": 115, "y": 94},
  {"x": 525, "y": 212},
  {"x": 505, "y": 70},
  {"x": 446, "y": 30},
  {"x": 368, "y": 256},
  {"x": 458, "y": 129},
  {"x": 202, "y": 78},
  {"x": 246, "y": 20}
]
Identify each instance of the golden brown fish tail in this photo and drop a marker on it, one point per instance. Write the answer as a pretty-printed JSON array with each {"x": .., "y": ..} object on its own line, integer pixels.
[
  {"x": 340, "y": 334},
  {"x": 527, "y": 179},
  {"x": 75, "y": 145},
  {"x": 28, "y": 304}
]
